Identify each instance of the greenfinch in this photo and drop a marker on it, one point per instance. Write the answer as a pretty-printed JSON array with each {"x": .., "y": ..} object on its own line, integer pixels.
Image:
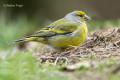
[{"x": 70, "y": 30}]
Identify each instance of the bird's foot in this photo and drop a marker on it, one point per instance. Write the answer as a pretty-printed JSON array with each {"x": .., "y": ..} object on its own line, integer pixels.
[{"x": 71, "y": 48}]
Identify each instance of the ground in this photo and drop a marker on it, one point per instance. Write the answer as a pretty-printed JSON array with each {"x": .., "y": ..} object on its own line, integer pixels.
[{"x": 97, "y": 59}]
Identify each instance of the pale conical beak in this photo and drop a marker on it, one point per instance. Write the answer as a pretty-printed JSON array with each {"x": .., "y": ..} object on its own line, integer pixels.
[{"x": 87, "y": 18}]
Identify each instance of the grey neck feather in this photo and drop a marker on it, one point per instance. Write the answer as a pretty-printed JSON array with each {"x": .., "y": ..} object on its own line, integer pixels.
[{"x": 73, "y": 18}]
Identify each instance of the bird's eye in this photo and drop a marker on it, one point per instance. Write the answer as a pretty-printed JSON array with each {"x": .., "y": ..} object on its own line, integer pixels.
[{"x": 81, "y": 15}]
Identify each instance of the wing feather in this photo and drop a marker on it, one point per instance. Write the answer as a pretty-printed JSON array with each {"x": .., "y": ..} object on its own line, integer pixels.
[{"x": 57, "y": 28}]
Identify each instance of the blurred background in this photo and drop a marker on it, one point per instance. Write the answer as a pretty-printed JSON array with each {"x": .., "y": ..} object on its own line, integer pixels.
[
  {"x": 22, "y": 17},
  {"x": 54, "y": 9}
]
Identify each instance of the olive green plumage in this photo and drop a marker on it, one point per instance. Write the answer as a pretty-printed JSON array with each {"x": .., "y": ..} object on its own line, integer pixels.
[{"x": 68, "y": 31}]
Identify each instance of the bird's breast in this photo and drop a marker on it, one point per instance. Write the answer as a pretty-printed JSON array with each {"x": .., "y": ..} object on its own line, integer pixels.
[{"x": 80, "y": 35}]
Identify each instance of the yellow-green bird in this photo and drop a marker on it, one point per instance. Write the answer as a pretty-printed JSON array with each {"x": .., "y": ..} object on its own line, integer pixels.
[{"x": 71, "y": 30}]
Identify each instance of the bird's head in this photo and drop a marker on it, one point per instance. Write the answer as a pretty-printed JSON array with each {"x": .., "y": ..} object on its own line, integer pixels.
[{"x": 78, "y": 16}]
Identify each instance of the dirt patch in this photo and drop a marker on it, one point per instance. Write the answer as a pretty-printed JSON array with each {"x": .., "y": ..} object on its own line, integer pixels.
[{"x": 101, "y": 44}]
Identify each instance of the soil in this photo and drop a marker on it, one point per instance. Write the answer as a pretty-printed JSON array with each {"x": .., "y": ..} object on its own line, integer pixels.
[{"x": 101, "y": 44}]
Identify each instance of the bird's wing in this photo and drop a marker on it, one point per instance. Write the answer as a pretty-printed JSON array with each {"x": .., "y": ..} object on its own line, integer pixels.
[
  {"x": 56, "y": 30},
  {"x": 60, "y": 27}
]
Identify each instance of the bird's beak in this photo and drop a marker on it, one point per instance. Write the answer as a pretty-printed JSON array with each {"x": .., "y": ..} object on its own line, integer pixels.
[{"x": 87, "y": 18}]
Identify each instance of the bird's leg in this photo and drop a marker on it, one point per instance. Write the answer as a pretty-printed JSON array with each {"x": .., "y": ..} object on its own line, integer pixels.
[{"x": 71, "y": 47}]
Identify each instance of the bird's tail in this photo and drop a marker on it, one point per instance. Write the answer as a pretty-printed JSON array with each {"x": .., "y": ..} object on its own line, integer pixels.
[
  {"x": 31, "y": 38},
  {"x": 22, "y": 40},
  {"x": 26, "y": 39}
]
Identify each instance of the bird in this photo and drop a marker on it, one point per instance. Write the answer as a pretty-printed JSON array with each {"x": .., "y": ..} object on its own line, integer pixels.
[{"x": 71, "y": 30}]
